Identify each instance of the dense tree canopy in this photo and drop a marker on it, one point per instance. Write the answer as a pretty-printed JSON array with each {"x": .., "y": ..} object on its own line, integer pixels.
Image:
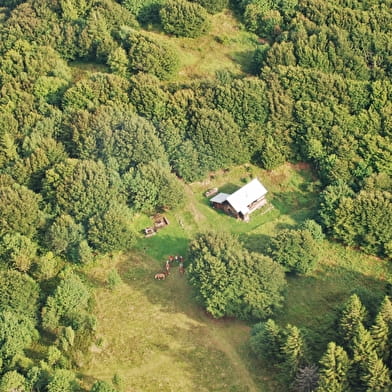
[
  {"x": 183, "y": 18},
  {"x": 98, "y": 121},
  {"x": 231, "y": 281}
]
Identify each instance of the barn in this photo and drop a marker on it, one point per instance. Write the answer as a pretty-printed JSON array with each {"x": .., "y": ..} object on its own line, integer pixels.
[{"x": 242, "y": 202}]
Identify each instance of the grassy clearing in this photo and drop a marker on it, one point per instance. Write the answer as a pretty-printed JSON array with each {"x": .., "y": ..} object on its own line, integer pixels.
[
  {"x": 156, "y": 338},
  {"x": 225, "y": 48}
]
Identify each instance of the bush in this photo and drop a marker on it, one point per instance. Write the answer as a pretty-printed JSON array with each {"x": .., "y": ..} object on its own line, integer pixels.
[
  {"x": 184, "y": 19},
  {"x": 314, "y": 229},
  {"x": 110, "y": 230},
  {"x": 230, "y": 281},
  {"x": 295, "y": 250},
  {"x": 114, "y": 279},
  {"x": 213, "y": 6},
  {"x": 153, "y": 57}
]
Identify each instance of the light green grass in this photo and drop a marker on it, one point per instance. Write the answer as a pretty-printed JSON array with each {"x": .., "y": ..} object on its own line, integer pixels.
[
  {"x": 226, "y": 47},
  {"x": 154, "y": 335}
]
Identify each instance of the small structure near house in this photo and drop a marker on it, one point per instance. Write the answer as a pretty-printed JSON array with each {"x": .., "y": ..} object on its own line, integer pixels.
[
  {"x": 211, "y": 192},
  {"x": 149, "y": 231},
  {"x": 160, "y": 221},
  {"x": 242, "y": 202}
]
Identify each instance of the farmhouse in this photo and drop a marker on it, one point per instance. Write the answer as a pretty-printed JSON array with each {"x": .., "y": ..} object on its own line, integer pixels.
[{"x": 243, "y": 202}]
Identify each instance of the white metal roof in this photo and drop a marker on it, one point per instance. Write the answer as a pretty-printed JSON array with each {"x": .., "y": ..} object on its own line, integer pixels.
[
  {"x": 241, "y": 199},
  {"x": 219, "y": 198}
]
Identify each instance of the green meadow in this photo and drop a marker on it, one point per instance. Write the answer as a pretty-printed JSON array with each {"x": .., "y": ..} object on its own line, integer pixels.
[{"x": 153, "y": 336}]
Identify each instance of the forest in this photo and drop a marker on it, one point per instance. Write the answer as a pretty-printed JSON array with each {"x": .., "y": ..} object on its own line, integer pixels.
[{"x": 100, "y": 125}]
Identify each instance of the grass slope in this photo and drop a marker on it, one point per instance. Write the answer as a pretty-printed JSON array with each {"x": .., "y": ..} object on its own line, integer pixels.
[
  {"x": 156, "y": 338},
  {"x": 226, "y": 47}
]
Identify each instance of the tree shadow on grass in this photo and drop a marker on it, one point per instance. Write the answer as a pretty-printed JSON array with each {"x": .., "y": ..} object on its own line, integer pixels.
[
  {"x": 314, "y": 302},
  {"x": 256, "y": 242},
  {"x": 193, "y": 343}
]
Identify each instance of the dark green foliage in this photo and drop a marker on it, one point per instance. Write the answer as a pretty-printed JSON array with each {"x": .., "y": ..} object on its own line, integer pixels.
[
  {"x": 20, "y": 211},
  {"x": 16, "y": 333},
  {"x": 151, "y": 187},
  {"x": 380, "y": 333},
  {"x": 111, "y": 230},
  {"x": 266, "y": 341},
  {"x": 118, "y": 62},
  {"x": 270, "y": 154},
  {"x": 68, "y": 303},
  {"x": 314, "y": 229},
  {"x": 18, "y": 251},
  {"x": 18, "y": 293},
  {"x": 231, "y": 281},
  {"x": 364, "y": 221},
  {"x": 334, "y": 367},
  {"x": 119, "y": 138},
  {"x": 295, "y": 250},
  {"x": 97, "y": 90},
  {"x": 213, "y": 6},
  {"x": 353, "y": 315},
  {"x": 64, "y": 236},
  {"x": 215, "y": 136},
  {"x": 185, "y": 19},
  {"x": 134, "y": 142},
  {"x": 186, "y": 162},
  {"x": 80, "y": 188},
  {"x": 294, "y": 352},
  {"x": 148, "y": 97},
  {"x": 266, "y": 23},
  {"x": 152, "y": 56},
  {"x": 62, "y": 380},
  {"x": 102, "y": 386}
]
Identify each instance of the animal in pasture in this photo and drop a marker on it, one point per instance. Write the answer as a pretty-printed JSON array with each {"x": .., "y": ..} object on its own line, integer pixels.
[
  {"x": 160, "y": 276},
  {"x": 167, "y": 267},
  {"x": 181, "y": 269}
]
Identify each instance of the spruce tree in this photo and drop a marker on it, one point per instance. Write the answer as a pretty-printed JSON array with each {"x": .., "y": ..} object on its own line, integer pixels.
[
  {"x": 376, "y": 376},
  {"x": 266, "y": 341},
  {"x": 380, "y": 333},
  {"x": 294, "y": 352},
  {"x": 362, "y": 346},
  {"x": 353, "y": 314},
  {"x": 334, "y": 366},
  {"x": 386, "y": 311}
]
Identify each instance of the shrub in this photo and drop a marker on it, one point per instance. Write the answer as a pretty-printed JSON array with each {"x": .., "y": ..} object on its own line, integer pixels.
[
  {"x": 153, "y": 57},
  {"x": 295, "y": 250},
  {"x": 184, "y": 19}
]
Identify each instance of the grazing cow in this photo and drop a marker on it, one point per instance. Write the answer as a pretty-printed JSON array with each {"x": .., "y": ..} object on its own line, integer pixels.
[{"x": 160, "y": 276}]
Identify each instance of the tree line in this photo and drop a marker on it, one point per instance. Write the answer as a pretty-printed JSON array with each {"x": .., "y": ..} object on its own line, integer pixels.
[
  {"x": 359, "y": 359},
  {"x": 81, "y": 154}
]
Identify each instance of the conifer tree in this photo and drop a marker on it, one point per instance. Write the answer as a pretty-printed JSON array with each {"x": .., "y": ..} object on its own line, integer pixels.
[
  {"x": 334, "y": 366},
  {"x": 294, "y": 352},
  {"x": 376, "y": 376},
  {"x": 353, "y": 314},
  {"x": 380, "y": 333},
  {"x": 362, "y": 346},
  {"x": 386, "y": 311},
  {"x": 266, "y": 341}
]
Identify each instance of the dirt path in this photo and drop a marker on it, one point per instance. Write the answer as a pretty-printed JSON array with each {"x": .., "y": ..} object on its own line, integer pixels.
[{"x": 224, "y": 345}]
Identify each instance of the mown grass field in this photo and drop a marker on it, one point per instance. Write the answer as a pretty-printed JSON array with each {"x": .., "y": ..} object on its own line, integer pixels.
[{"x": 154, "y": 336}]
